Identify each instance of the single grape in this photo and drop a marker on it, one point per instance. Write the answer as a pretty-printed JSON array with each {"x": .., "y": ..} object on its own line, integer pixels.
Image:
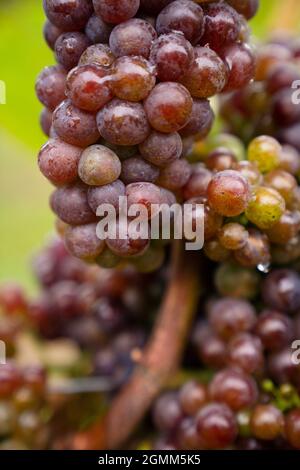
[
  {"x": 201, "y": 120},
  {"x": 75, "y": 126},
  {"x": 222, "y": 25},
  {"x": 265, "y": 208},
  {"x": 192, "y": 397},
  {"x": 255, "y": 252},
  {"x": 161, "y": 149},
  {"x": 167, "y": 412},
  {"x": 97, "y": 30},
  {"x": 50, "y": 86},
  {"x": 229, "y": 316},
  {"x": 221, "y": 159},
  {"x": 207, "y": 75},
  {"x": 245, "y": 351},
  {"x": 216, "y": 426},
  {"x": 97, "y": 54},
  {"x": 168, "y": 107},
  {"x": 241, "y": 65},
  {"x": 71, "y": 206},
  {"x": 235, "y": 388},
  {"x": 69, "y": 47},
  {"x": 184, "y": 16},
  {"x": 228, "y": 193},
  {"x": 211, "y": 349},
  {"x": 274, "y": 329},
  {"x": 68, "y": 15},
  {"x": 58, "y": 161},
  {"x": 116, "y": 12},
  {"x": 175, "y": 175},
  {"x": 132, "y": 38},
  {"x": 123, "y": 123},
  {"x": 51, "y": 34},
  {"x": 106, "y": 194},
  {"x": 267, "y": 422},
  {"x": 281, "y": 290},
  {"x": 89, "y": 87},
  {"x": 172, "y": 55},
  {"x": 136, "y": 170},
  {"x": 281, "y": 368},
  {"x": 98, "y": 166},
  {"x": 82, "y": 241},
  {"x": 133, "y": 78}
]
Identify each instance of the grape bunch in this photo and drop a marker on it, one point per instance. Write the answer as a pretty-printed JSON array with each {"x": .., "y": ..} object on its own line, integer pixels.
[
  {"x": 271, "y": 103},
  {"x": 128, "y": 97},
  {"x": 230, "y": 412},
  {"x": 105, "y": 312},
  {"x": 248, "y": 397},
  {"x": 251, "y": 201},
  {"x": 24, "y": 410}
]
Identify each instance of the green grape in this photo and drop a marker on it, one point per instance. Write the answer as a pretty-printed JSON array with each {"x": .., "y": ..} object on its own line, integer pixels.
[
  {"x": 265, "y": 151},
  {"x": 266, "y": 208}
]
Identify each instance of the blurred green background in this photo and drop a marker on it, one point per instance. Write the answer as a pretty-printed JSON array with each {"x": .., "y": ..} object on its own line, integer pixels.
[{"x": 25, "y": 219}]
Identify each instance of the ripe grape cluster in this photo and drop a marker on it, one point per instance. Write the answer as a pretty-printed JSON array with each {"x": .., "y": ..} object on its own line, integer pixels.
[
  {"x": 251, "y": 201},
  {"x": 250, "y": 399},
  {"x": 230, "y": 412},
  {"x": 271, "y": 103},
  {"x": 106, "y": 313},
  {"x": 129, "y": 95}
]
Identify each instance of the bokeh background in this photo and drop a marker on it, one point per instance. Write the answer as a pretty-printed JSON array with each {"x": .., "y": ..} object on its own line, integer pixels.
[{"x": 25, "y": 219}]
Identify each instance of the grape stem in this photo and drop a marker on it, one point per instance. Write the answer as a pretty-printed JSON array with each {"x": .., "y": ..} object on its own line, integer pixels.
[{"x": 159, "y": 361}]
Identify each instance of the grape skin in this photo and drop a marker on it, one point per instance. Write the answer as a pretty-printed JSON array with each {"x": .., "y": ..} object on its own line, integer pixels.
[
  {"x": 123, "y": 123},
  {"x": 168, "y": 107},
  {"x": 68, "y": 16},
  {"x": 58, "y": 161},
  {"x": 207, "y": 75},
  {"x": 75, "y": 126},
  {"x": 69, "y": 47},
  {"x": 98, "y": 166}
]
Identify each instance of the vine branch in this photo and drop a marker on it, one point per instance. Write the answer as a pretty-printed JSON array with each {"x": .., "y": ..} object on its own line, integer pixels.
[{"x": 160, "y": 359}]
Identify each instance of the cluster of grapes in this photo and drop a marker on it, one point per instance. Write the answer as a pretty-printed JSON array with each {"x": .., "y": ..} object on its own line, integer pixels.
[
  {"x": 106, "y": 313},
  {"x": 230, "y": 412},
  {"x": 252, "y": 399},
  {"x": 271, "y": 103},
  {"x": 23, "y": 408},
  {"x": 251, "y": 203},
  {"x": 129, "y": 96},
  {"x": 98, "y": 310}
]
